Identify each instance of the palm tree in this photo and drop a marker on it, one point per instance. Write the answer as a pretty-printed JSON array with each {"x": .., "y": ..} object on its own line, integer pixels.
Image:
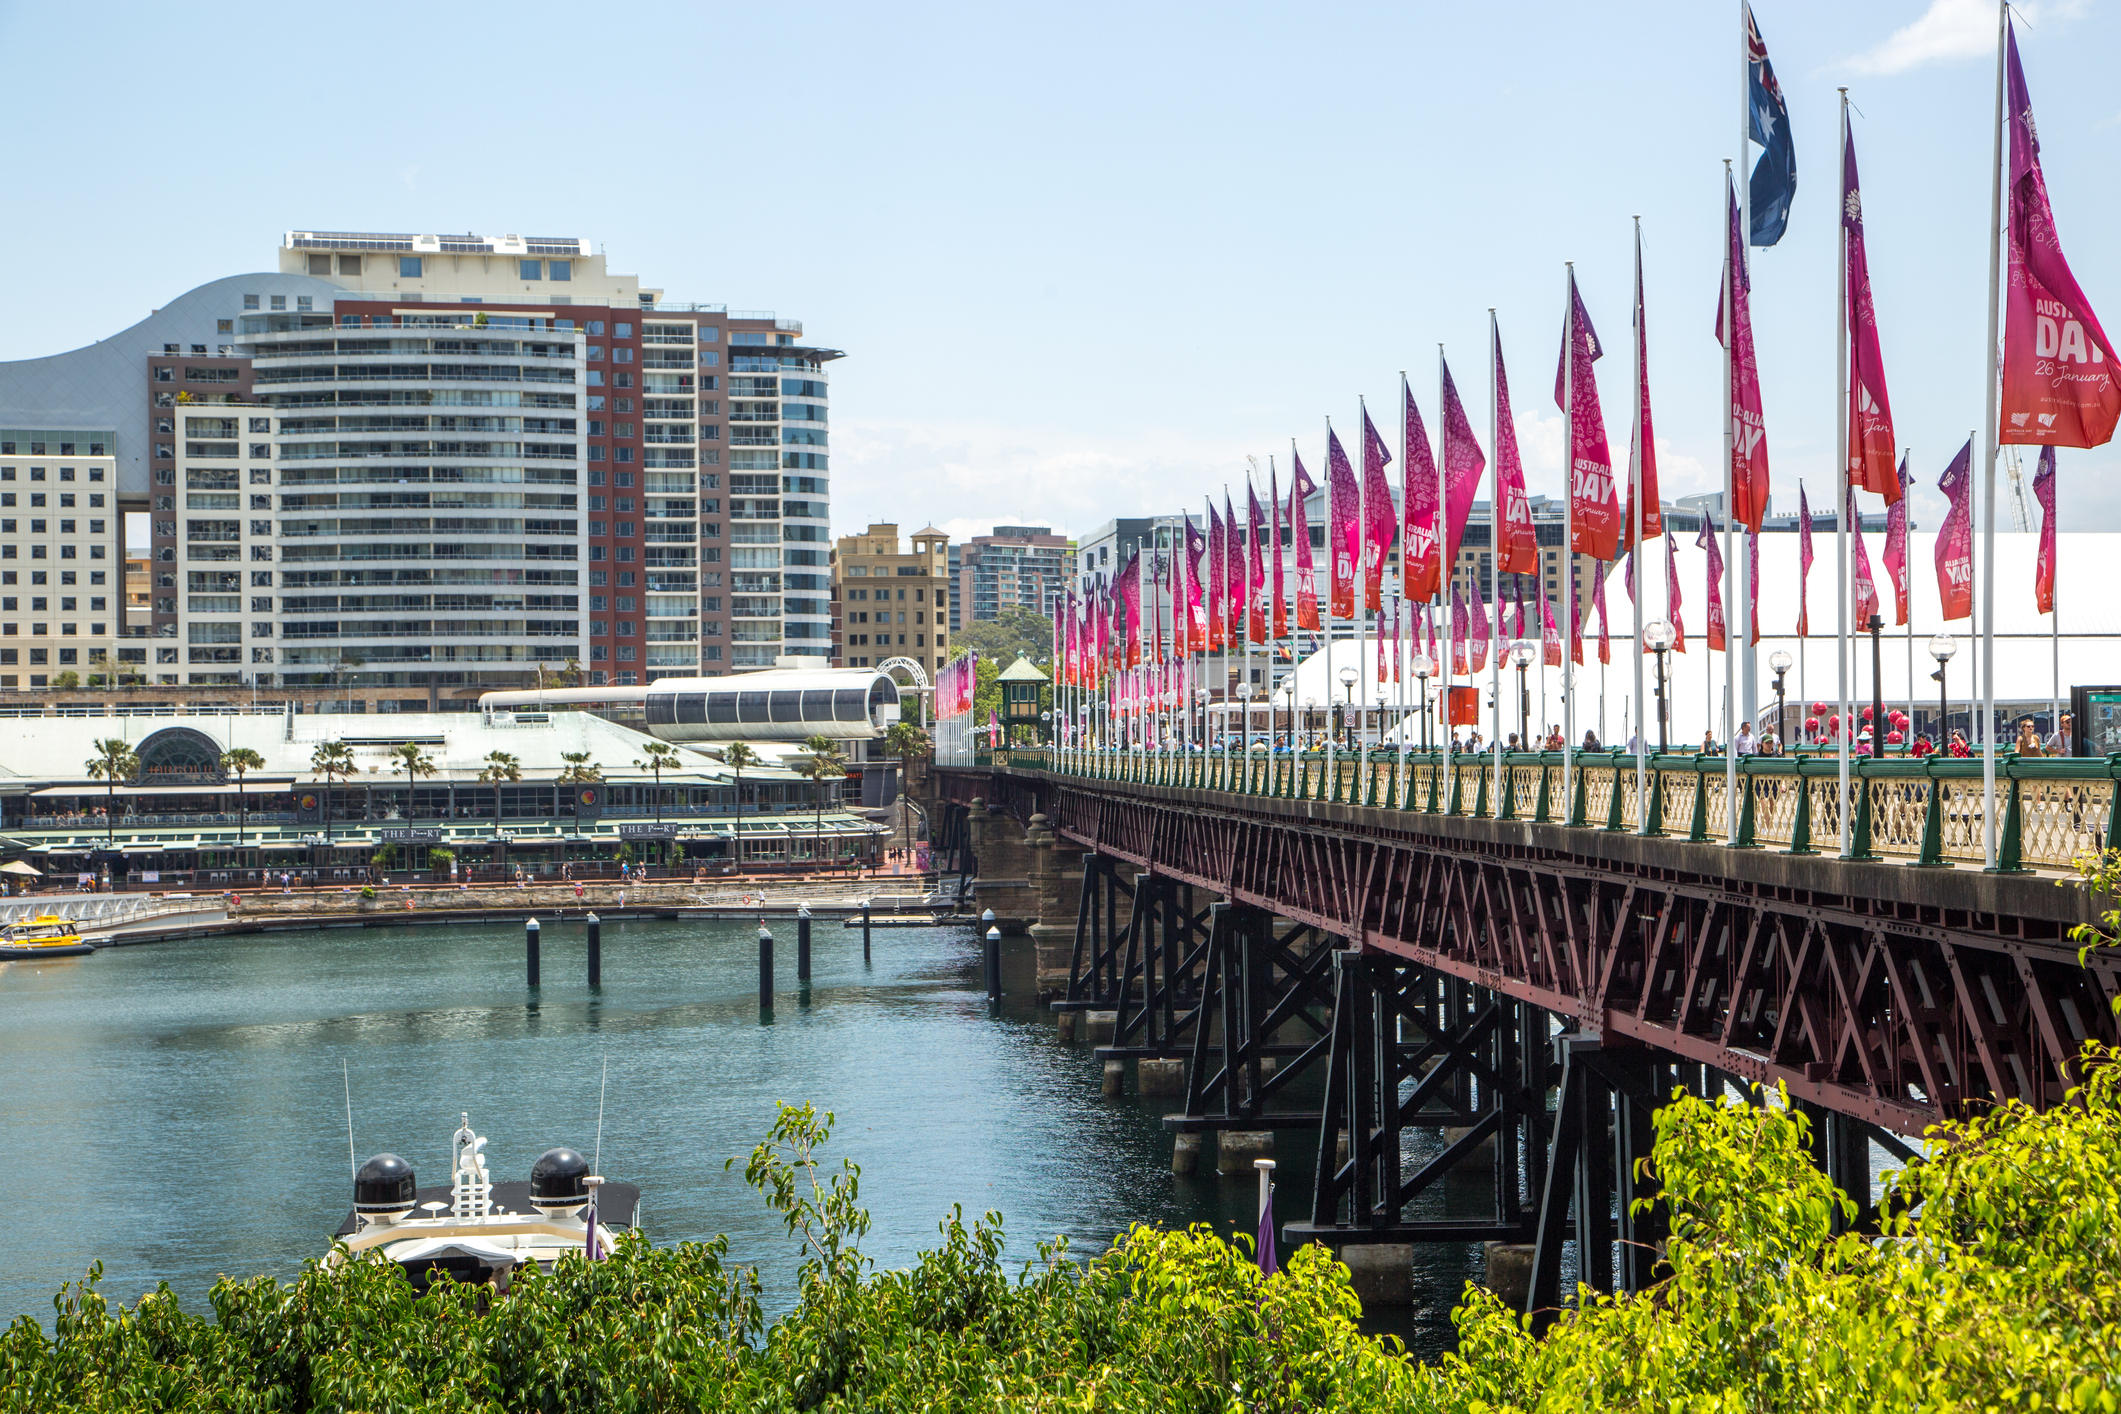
[
  {"x": 578, "y": 771},
  {"x": 501, "y": 769},
  {"x": 737, "y": 756},
  {"x": 906, "y": 741},
  {"x": 824, "y": 762},
  {"x": 333, "y": 760},
  {"x": 415, "y": 763},
  {"x": 661, "y": 757},
  {"x": 114, "y": 761},
  {"x": 241, "y": 759}
]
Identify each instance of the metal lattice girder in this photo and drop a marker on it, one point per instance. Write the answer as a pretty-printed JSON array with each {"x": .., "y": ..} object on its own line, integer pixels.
[{"x": 1895, "y": 996}]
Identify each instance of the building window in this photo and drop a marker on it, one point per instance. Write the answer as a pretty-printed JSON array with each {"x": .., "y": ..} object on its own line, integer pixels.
[
  {"x": 530, "y": 269},
  {"x": 250, "y": 301},
  {"x": 165, "y": 375},
  {"x": 279, "y": 301},
  {"x": 408, "y": 267},
  {"x": 349, "y": 265},
  {"x": 560, "y": 269}
]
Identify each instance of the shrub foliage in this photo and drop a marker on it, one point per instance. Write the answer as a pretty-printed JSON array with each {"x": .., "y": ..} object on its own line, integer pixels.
[{"x": 1996, "y": 1285}]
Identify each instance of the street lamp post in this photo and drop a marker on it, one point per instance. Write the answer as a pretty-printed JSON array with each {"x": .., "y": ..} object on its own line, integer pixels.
[
  {"x": 1244, "y": 697},
  {"x": 1876, "y": 625},
  {"x": 1422, "y": 668},
  {"x": 1521, "y": 655},
  {"x": 1942, "y": 647},
  {"x": 1780, "y": 661},
  {"x": 1657, "y": 636},
  {"x": 1347, "y": 712}
]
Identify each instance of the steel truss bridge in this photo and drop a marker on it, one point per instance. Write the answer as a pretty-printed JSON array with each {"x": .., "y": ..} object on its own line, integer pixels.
[{"x": 1534, "y": 976}]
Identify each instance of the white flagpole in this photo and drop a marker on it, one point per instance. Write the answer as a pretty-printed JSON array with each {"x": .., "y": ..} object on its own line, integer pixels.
[
  {"x": 1642, "y": 738},
  {"x": 1332, "y": 568},
  {"x": 1747, "y": 664},
  {"x": 1988, "y": 464},
  {"x": 1568, "y": 557},
  {"x": 1842, "y": 647},
  {"x": 1734, "y": 276},
  {"x": 1495, "y": 524}
]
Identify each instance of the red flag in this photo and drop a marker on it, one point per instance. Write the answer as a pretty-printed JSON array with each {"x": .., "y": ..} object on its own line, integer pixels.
[
  {"x": 1749, "y": 459},
  {"x": 1130, "y": 593},
  {"x": 2058, "y": 364},
  {"x": 1420, "y": 566},
  {"x": 1672, "y": 598},
  {"x": 1235, "y": 578},
  {"x": 1218, "y": 581},
  {"x": 1549, "y": 632},
  {"x": 1278, "y": 609},
  {"x": 2044, "y": 568},
  {"x": 1380, "y": 646},
  {"x": 1594, "y": 508},
  {"x": 1301, "y": 489},
  {"x": 1379, "y": 516},
  {"x": 1870, "y": 448},
  {"x": 1463, "y": 465},
  {"x": 1479, "y": 646},
  {"x": 1256, "y": 572},
  {"x": 1459, "y": 666},
  {"x": 1605, "y": 651},
  {"x": 1955, "y": 539},
  {"x": 1196, "y": 610},
  {"x": 1520, "y": 542},
  {"x": 1643, "y": 435},
  {"x": 1866, "y": 586},
  {"x": 1706, "y": 540},
  {"x": 1523, "y": 616},
  {"x": 1160, "y": 569},
  {"x": 1804, "y": 563},
  {"x": 1896, "y": 545},
  {"x": 1344, "y": 535}
]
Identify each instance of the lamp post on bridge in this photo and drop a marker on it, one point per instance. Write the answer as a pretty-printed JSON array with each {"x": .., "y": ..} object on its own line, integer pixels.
[
  {"x": 1347, "y": 712},
  {"x": 1521, "y": 653},
  {"x": 1942, "y": 647},
  {"x": 1422, "y": 668},
  {"x": 1876, "y": 626},
  {"x": 1658, "y": 637},
  {"x": 1780, "y": 661}
]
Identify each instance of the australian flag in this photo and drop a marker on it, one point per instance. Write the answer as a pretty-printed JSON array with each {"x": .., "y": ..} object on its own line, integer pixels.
[{"x": 1774, "y": 180}]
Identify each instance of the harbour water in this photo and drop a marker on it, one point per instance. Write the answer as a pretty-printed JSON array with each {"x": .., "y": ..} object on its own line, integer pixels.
[{"x": 177, "y": 1111}]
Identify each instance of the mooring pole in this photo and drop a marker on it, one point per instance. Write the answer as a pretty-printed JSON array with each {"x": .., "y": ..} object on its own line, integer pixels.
[
  {"x": 802, "y": 943},
  {"x": 596, "y": 951},
  {"x": 994, "y": 964},
  {"x": 530, "y": 949},
  {"x": 865, "y": 931},
  {"x": 765, "y": 967}
]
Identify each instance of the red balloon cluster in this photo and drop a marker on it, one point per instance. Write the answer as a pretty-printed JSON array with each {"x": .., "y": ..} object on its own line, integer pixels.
[
  {"x": 1819, "y": 709},
  {"x": 1811, "y": 724},
  {"x": 1892, "y": 738}
]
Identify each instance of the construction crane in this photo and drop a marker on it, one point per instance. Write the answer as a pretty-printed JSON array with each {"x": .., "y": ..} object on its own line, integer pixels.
[{"x": 2021, "y": 516}]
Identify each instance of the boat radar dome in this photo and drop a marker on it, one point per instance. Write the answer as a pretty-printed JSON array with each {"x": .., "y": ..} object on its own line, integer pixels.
[
  {"x": 384, "y": 1188},
  {"x": 559, "y": 1181}
]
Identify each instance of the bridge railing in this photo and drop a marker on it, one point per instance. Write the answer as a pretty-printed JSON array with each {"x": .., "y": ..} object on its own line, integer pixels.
[{"x": 1930, "y": 811}]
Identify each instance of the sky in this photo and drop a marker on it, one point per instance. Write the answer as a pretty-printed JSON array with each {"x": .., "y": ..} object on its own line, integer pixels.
[{"x": 1086, "y": 259}]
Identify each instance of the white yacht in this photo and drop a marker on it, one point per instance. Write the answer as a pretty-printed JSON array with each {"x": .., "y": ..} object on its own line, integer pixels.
[{"x": 476, "y": 1230}]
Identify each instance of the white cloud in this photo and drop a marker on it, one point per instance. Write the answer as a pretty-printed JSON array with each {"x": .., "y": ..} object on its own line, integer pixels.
[{"x": 1949, "y": 30}]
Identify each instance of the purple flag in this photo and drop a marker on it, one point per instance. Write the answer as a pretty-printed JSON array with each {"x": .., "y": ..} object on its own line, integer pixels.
[
  {"x": 2044, "y": 570},
  {"x": 1268, "y": 1265},
  {"x": 1866, "y": 586},
  {"x": 1344, "y": 535},
  {"x": 1870, "y": 448},
  {"x": 1896, "y": 545},
  {"x": 1480, "y": 626},
  {"x": 1671, "y": 593},
  {"x": 1420, "y": 568},
  {"x": 1955, "y": 540},
  {"x": 1804, "y": 563},
  {"x": 1463, "y": 465},
  {"x": 1706, "y": 540},
  {"x": 1380, "y": 518},
  {"x": 1594, "y": 506}
]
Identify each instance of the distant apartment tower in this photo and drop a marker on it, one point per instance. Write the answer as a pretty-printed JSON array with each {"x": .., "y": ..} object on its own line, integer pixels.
[
  {"x": 1018, "y": 566},
  {"x": 454, "y": 462},
  {"x": 888, "y": 603}
]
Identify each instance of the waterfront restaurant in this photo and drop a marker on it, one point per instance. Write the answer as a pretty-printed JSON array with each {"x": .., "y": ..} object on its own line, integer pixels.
[{"x": 578, "y": 797}]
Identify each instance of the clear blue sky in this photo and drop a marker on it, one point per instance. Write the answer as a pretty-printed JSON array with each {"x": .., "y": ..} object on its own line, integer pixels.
[{"x": 1085, "y": 258}]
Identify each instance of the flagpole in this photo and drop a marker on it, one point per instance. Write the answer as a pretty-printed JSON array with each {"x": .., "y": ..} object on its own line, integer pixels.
[
  {"x": 1988, "y": 464},
  {"x": 1748, "y": 670},
  {"x": 1495, "y": 517},
  {"x": 1733, "y": 277},
  {"x": 1332, "y": 569},
  {"x": 1846, "y": 728},
  {"x": 1642, "y": 813},
  {"x": 1568, "y": 556}
]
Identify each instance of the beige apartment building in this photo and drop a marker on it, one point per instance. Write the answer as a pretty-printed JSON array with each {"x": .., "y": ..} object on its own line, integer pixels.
[
  {"x": 61, "y": 588},
  {"x": 888, "y": 603}
]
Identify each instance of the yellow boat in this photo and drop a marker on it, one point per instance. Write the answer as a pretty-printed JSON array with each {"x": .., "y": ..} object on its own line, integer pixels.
[{"x": 46, "y": 935}]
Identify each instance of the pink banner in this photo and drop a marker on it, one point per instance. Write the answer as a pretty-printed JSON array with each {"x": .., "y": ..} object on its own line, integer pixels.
[
  {"x": 1605, "y": 650},
  {"x": 1380, "y": 518},
  {"x": 1256, "y": 571},
  {"x": 1870, "y": 448},
  {"x": 2058, "y": 364},
  {"x": 1459, "y": 666},
  {"x": 1955, "y": 539},
  {"x": 1463, "y": 466},
  {"x": 1749, "y": 459},
  {"x": 2044, "y": 566},
  {"x": 1420, "y": 565},
  {"x": 1398, "y": 662},
  {"x": 1804, "y": 562},
  {"x": 1344, "y": 536},
  {"x": 1196, "y": 611},
  {"x": 1643, "y": 435},
  {"x": 1896, "y": 545},
  {"x": 1672, "y": 597},
  {"x": 1866, "y": 587},
  {"x": 1594, "y": 508},
  {"x": 1706, "y": 540},
  {"x": 1301, "y": 489},
  {"x": 1130, "y": 593},
  {"x": 1236, "y": 579},
  {"x": 1478, "y": 649},
  {"x": 1278, "y": 609},
  {"x": 1218, "y": 584},
  {"x": 1519, "y": 541},
  {"x": 1549, "y": 632}
]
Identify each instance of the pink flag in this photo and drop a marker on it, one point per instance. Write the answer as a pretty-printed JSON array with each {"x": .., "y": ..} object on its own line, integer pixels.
[
  {"x": 1130, "y": 593},
  {"x": 1519, "y": 616},
  {"x": 1218, "y": 580},
  {"x": 1866, "y": 586},
  {"x": 1463, "y": 466},
  {"x": 1235, "y": 577},
  {"x": 1380, "y": 518},
  {"x": 1397, "y": 661},
  {"x": 1804, "y": 562},
  {"x": 1256, "y": 571},
  {"x": 1870, "y": 448},
  {"x": 1459, "y": 665},
  {"x": 2058, "y": 364},
  {"x": 1752, "y": 551},
  {"x": 1605, "y": 651},
  {"x": 1549, "y": 632},
  {"x": 1278, "y": 611},
  {"x": 1479, "y": 645},
  {"x": 1594, "y": 508},
  {"x": 1643, "y": 436},
  {"x": 1301, "y": 489},
  {"x": 1706, "y": 540},
  {"x": 1420, "y": 566},
  {"x": 1749, "y": 459},
  {"x": 1896, "y": 545},
  {"x": 1344, "y": 536},
  {"x": 2044, "y": 568},
  {"x": 1381, "y": 645},
  {"x": 1196, "y": 610},
  {"x": 1672, "y": 599},
  {"x": 1519, "y": 551},
  {"x": 1955, "y": 539}
]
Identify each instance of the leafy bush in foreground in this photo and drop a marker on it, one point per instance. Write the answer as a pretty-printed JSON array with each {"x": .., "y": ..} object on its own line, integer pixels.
[{"x": 2000, "y": 1287}]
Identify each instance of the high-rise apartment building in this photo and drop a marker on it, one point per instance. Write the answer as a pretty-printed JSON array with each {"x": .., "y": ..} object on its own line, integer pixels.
[
  {"x": 451, "y": 462},
  {"x": 1018, "y": 566},
  {"x": 888, "y": 603}
]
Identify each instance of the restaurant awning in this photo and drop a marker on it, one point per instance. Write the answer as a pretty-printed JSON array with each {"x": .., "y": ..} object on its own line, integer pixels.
[{"x": 254, "y": 788}]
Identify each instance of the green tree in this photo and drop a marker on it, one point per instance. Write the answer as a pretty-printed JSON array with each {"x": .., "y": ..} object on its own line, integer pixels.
[
  {"x": 822, "y": 762},
  {"x": 113, "y": 762},
  {"x": 1012, "y": 632},
  {"x": 737, "y": 756},
  {"x": 661, "y": 757},
  {"x": 67, "y": 679},
  {"x": 907, "y": 741},
  {"x": 501, "y": 769},
  {"x": 579, "y": 769},
  {"x": 333, "y": 760},
  {"x": 415, "y": 763},
  {"x": 241, "y": 760}
]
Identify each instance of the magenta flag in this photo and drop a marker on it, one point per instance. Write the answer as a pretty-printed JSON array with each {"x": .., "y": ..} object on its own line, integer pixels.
[
  {"x": 1706, "y": 540},
  {"x": 1256, "y": 572},
  {"x": 2044, "y": 567},
  {"x": 1896, "y": 545},
  {"x": 1236, "y": 576},
  {"x": 1643, "y": 435},
  {"x": 1196, "y": 609},
  {"x": 1420, "y": 566},
  {"x": 1380, "y": 645},
  {"x": 1672, "y": 599},
  {"x": 1860, "y": 571},
  {"x": 1459, "y": 666},
  {"x": 1344, "y": 536},
  {"x": 1870, "y": 448},
  {"x": 1549, "y": 633},
  {"x": 1278, "y": 609},
  {"x": 1463, "y": 466},
  {"x": 1955, "y": 539},
  {"x": 2058, "y": 364},
  {"x": 1218, "y": 579},
  {"x": 1479, "y": 646},
  {"x": 1130, "y": 593},
  {"x": 1594, "y": 509},
  {"x": 1301, "y": 489},
  {"x": 1804, "y": 563},
  {"x": 1380, "y": 518},
  {"x": 1520, "y": 542},
  {"x": 1397, "y": 662},
  {"x": 1605, "y": 650},
  {"x": 1749, "y": 459},
  {"x": 1518, "y": 615}
]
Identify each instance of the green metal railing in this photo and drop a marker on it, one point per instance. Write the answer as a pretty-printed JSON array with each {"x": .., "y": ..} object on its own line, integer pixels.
[{"x": 1928, "y": 812}]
